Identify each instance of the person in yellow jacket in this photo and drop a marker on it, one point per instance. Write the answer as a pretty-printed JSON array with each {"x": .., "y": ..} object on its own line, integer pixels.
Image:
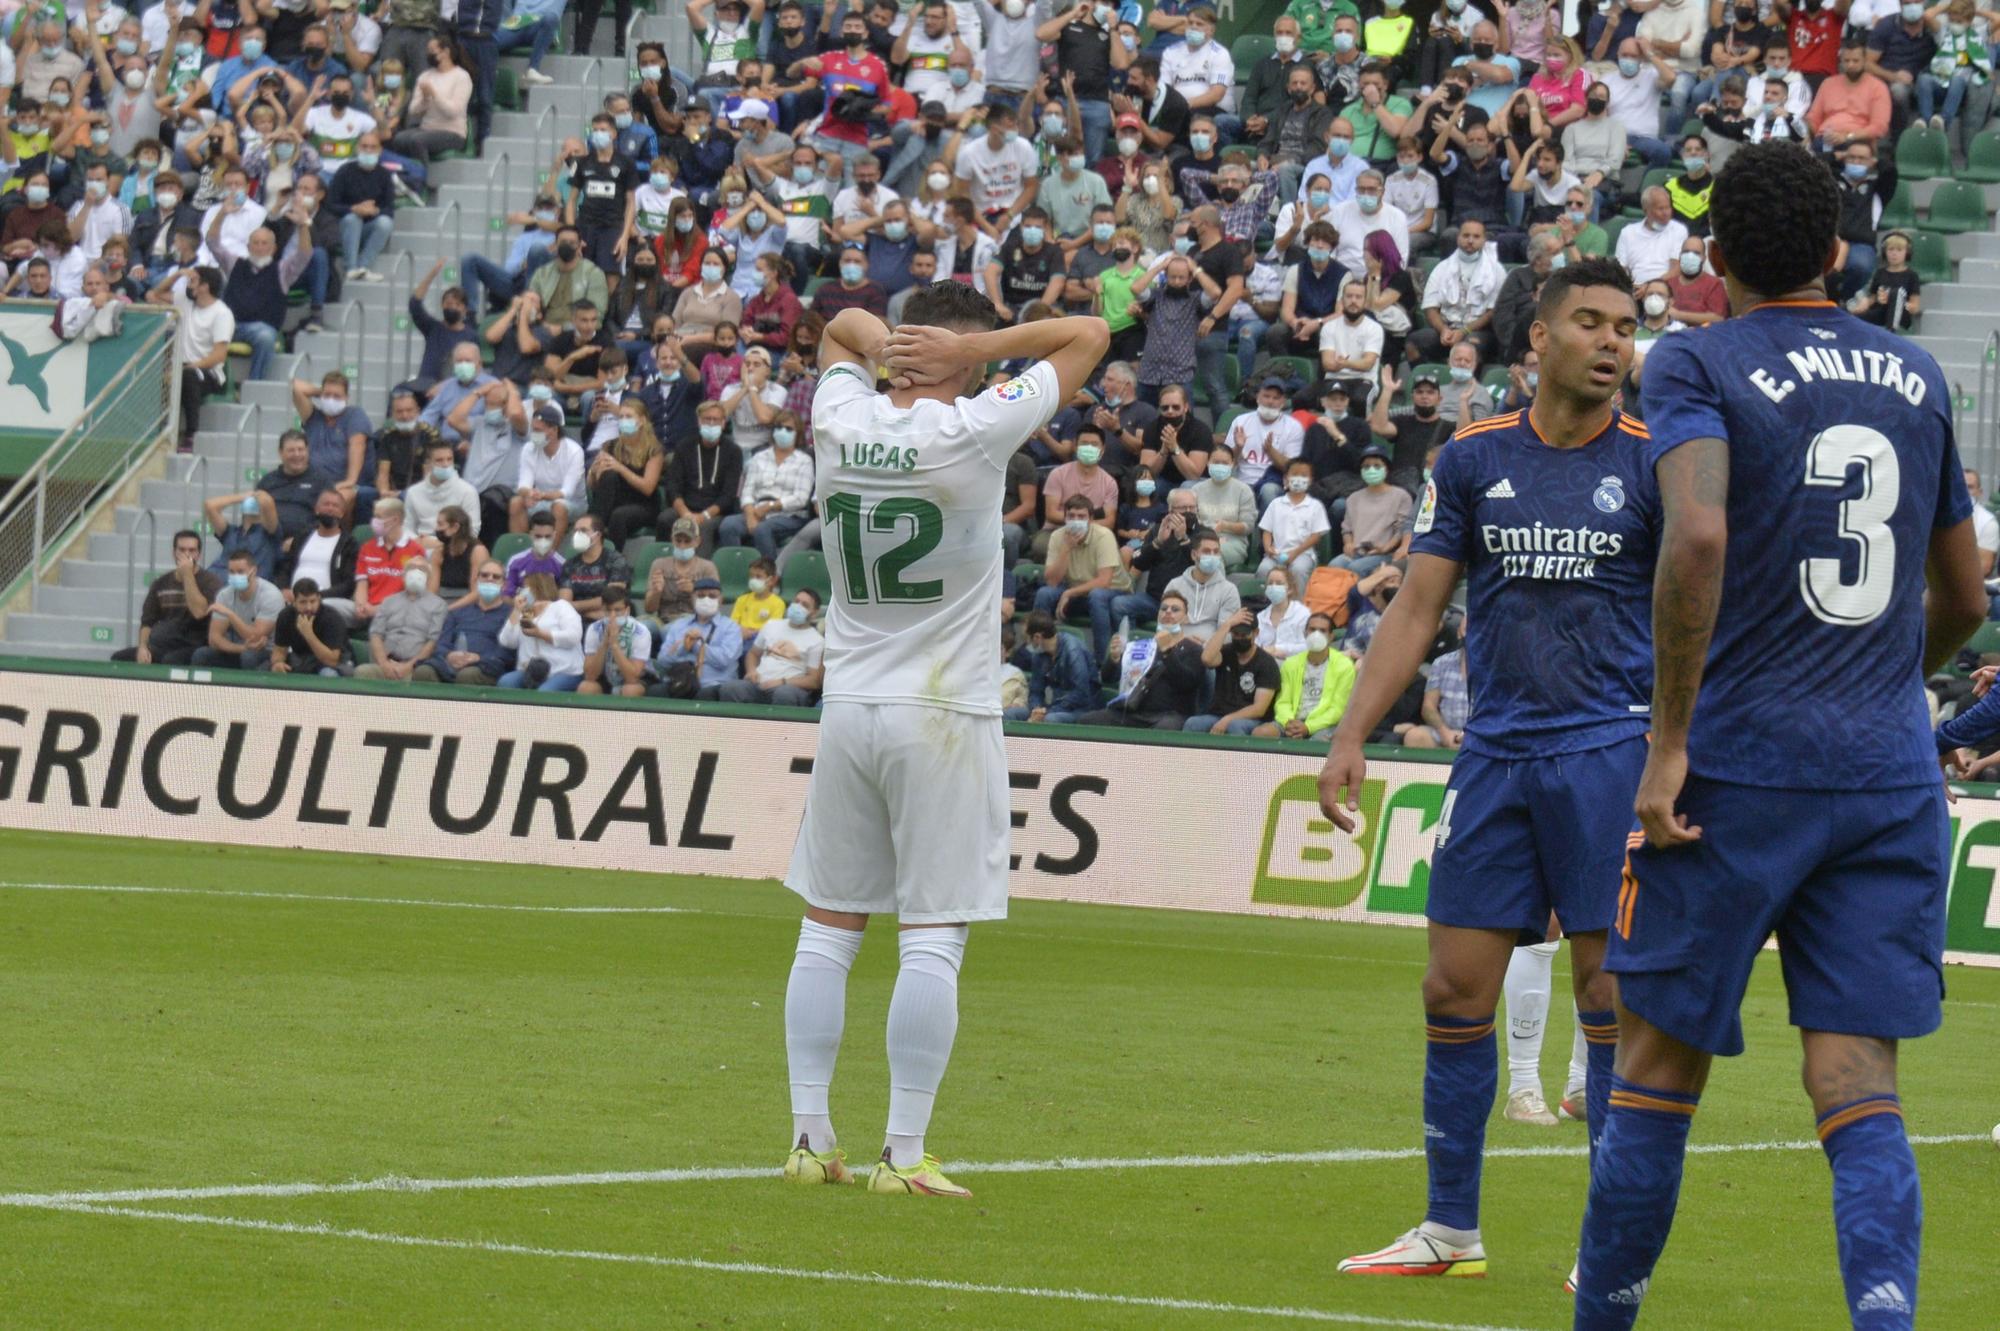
[{"x": 1313, "y": 687}]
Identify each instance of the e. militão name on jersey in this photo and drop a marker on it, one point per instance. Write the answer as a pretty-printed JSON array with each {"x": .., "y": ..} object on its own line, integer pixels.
[
  {"x": 1558, "y": 546},
  {"x": 1842, "y": 463}
]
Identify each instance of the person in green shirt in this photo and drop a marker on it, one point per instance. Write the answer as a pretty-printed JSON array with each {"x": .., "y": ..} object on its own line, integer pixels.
[
  {"x": 1315, "y": 19},
  {"x": 1115, "y": 288},
  {"x": 1582, "y": 238},
  {"x": 1379, "y": 118}
]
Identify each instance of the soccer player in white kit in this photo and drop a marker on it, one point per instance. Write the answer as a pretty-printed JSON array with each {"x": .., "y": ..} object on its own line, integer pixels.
[{"x": 907, "y": 813}]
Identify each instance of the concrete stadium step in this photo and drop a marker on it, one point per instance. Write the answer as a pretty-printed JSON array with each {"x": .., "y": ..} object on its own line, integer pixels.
[
  {"x": 1959, "y": 298},
  {"x": 116, "y": 547},
  {"x": 1953, "y": 325},
  {"x": 98, "y": 605},
  {"x": 91, "y": 573},
  {"x": 1974, "y": 245},
  {"x": 64, "y": 635},
  {"x": 1981, "y": 273}
]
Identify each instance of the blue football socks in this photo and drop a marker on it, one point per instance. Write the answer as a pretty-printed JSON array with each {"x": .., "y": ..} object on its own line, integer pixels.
[
  {"x": 1600, "y": 1038},
  {"x": 1878, "y": 1210},
  {"x": 1635, "y": 1182},
  {"x": 1461, "y": 1076}
]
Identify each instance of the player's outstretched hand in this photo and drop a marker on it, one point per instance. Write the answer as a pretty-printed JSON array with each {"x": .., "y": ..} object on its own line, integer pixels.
[
  {"x": 1343, "y": 773},
  {"x": 918, "y": 356},
  {"x": 1665, "y": 775}
]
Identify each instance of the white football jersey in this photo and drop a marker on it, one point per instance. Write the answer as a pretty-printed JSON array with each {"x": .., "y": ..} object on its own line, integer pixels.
[{"x": 909, "y": 501}]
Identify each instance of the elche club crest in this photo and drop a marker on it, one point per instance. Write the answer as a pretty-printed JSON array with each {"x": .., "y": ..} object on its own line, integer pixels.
[{"x": 1609, "y": 495}]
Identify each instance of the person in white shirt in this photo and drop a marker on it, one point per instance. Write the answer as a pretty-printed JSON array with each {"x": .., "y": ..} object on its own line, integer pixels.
[
  {"x": 97, "y": 216},
  {"x": 999, "y": 169},
  {"x": 236, "y": 226},
  {"x": 926, "y": 48},
  {"x": 754, "y": 403},
  {"x": 1985, "y": 526},
  {"x": 1650, "y": 247},
  {"x": 1635, "y": 99},
  {"x": 863, "y": 201},
  {"x": 1778, "y": 69},
  {"x": 1362, "y": 216},
  {"x": 805, "y": 199},
  {"x": 1540, "y": 187},
  {"x": 1201, "y": 70},
  {"x": 441, "y": 488},
  {"x": 1266, "y": 441},
  {"x": 206, "y": 329},
  {"x": 335, "y": 126},
  {"x": 1412, "y": 188},
  {"x": 1683, "y": 23},
  {"x": 1292, "y": 527},
  {"x": 616, "y": 648},
  {"x": 776, "y": 495},
  {"x": 1281, "y": 625},
  {"x": 543, "y": 627},
  {"x": 1459, "y": 297},
  {"x": 551, "y": 478},
  {"x": 1350, "y": 345},
  {"x": 784, "y": 666}
]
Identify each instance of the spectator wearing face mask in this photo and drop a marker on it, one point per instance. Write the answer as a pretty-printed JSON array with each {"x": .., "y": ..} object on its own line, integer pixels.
[
  {"x": 1084, "y": 574},
  {"x": 776, "y": 498},
  {"x": 1205, "y": 588},
  {"x": 1295, "y": 125},
  {"x": 242, "y": 525},
  {"x": 760, "y": 604},
  {"x": 1459, "y": 298},
  {"x": 703, "y": 305},
  {"x": 1651, "y": 246},
  {"x": 546, "y": 635},
  {"x": 441, "y": 488},
  {"x": 1696, "y": 297},
  {"x": 242, "y": 615},
  {"x": 1062, "y": 675},
  {"x": 1293, "y": 524},
  {"x": 527, "y": 252},
  {"x": 1866, "y": 189},
  {"x": 1775, "y": 118},
  {"x": 403, "y": 632},
  {"x": 1673, "y": 31},
  {"x": 382, "y": 559},
  {"x": 326, "y": 553},
  {"x": 785, "y": 665},
  {"x": 617, "y": 649},
  {"x": 1281, "y": 624},
  {"x": 704, "y": 639},
  {"x": 1690, "y": 192},
  {"x": 671, "y": 581},
  {"x": 1853, "y": 107},
  {"x": 1376, "y": 527},
  {"x": 1900, "y": 50},
  {"x": 853, "y": 289},
  {"x": 541, "y": 556},
  {"x": 468, "y": 644},
  {"x": 1314, "y": 685},
  {"x": 1158, "y": 679},
  {"x": 550, "y": 479},
  {"x": 1339, "y": 164},
  {"x": 1656, "y": 320},
  {"x": 1246, "y": 680},
  {"x": 494, "y": 425}
]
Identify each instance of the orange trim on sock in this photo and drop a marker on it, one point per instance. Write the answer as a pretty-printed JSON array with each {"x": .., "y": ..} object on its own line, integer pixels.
[
  {"x": 1855, "y": 1113},
  {"x": 1600, "y": 1034},
  {"x": 1457, "y": 1034},
  {"x": 1637, "y": 1100}
]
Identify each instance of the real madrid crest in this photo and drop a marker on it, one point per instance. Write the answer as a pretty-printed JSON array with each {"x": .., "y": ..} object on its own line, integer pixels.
[{"x": 1610, "y": 495}]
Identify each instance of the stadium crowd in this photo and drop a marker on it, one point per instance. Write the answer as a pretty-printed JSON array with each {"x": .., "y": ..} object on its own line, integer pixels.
[{"x": 600, "y": 475}]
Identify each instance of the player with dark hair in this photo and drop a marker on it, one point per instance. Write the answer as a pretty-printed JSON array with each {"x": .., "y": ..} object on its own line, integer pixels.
[
  {"x": 1551, "y": 514},
  {"x": 1812, "y": 496},
  {"x": 907, "y": 811}
]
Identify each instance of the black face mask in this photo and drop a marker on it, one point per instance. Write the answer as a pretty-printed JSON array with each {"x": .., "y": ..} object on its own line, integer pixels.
[
  {"x": 1482, "y": 50},
  {"x": 431, "y": 59},
  {"x": 566, "y": 251},
  {"x": 1746, "y": 15},
  {"x": 1229, "y": 194},
  {"x": 1424, "y": 413},
  {"x": 454, "y": 316},
  {"x": 1300, "y": 96},
  {"x": 1596, "y": 105},
  {"x": 327, "y": 521},
  {"x": 340, "y": 101},
  {"x": 644, "y": 271},
  {"x": 1173, "y": 290},
  {"x": 1243, "y": 642},
  {"x": 1121, "y": 254},
  {"x": 856, "y": 40}
]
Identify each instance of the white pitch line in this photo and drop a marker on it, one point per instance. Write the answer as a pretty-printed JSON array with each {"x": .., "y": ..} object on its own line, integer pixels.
[
  {"x": 787, "y": 1272},
  {"x": 323, "y": 896},
  {"x": 717, "y": 1173}
]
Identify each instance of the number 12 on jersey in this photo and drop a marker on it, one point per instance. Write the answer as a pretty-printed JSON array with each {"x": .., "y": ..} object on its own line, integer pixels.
[{"x": 919, "y": 522}]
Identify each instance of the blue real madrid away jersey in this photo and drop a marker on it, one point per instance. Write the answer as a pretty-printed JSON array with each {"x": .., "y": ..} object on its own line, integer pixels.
[
  {"x": 1841, "y": 464},
  {"x": 1558, "y": 546}
]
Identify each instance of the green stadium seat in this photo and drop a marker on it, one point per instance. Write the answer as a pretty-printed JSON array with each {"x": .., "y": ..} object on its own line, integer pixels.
[
  {"x": 642, "y": 563},
  {"x": 507, "y": 89},
  {"x": 813, "y": 285},
  {"x": 1659, "y": 175},
  {"x": 1227, "y": 418},
  {"x": 1957, "y": 207},
  {"x": 1612, "y": 226},
  {"x": 1902, "y": 209},
  {"x": 1923, "y": 153},
  {"x": 1247, "y": 585},
  {"x": 1248, "y": 49},
  {"x": 808, "y": 569},
  {"x": 1495, "y": 378},
  {"x": 1930, "y": 256},
  {"x": 1299, "y": 367},
  {"x": 513, "y": 543},
  {"x": 1437, "y": 369},
  {"x": 1982, "y": 158},
  {"x": 1986, "y": 641},
  {"x": 733, "y": 562},
  {"x": 1028, "y": 573}
]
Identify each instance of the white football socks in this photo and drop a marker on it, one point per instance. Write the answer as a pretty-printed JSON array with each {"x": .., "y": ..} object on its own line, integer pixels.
[
  {"x": 815, "y": 1010},
  {"x": 1579, "y": 1063},
  {"x": 923, "y": 1019},
  {"x": 1527, "y": 993}
]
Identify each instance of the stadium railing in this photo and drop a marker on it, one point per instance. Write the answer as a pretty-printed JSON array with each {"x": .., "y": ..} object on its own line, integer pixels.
[{"x": 84, "y": 469}]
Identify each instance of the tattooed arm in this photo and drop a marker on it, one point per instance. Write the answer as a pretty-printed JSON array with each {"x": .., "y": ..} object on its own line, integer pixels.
[{"x": 1687, "y": 587}]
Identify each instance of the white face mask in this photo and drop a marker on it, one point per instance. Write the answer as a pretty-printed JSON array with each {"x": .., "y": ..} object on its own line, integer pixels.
[
  {"x": 1318, "y": 641},
  {"x": 1278, "y": 593},
  {"x": 706, "y": 606},
  {"x": 1656, "y": 305},
  {"x": 543, "y": 544},
  {"x": 1267, "y": 413},
  {"x": 580, "y": 542},
  {"x": 1076, "y": 527},
  {"x": 417, "y": 582}
]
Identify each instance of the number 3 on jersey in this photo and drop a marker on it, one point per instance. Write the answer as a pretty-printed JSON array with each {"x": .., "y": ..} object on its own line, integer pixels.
[
  {"x": 1863, "y": 520},
  {"x": 918, "y": 521}
]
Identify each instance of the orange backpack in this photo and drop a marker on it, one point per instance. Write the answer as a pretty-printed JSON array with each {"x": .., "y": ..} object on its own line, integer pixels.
[{"x": 1326, "y": 593}]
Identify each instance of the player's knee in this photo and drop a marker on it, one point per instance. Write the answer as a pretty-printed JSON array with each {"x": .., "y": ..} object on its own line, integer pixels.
[
  {"x": 1447, "y": 993},
  {"x": 1596, "y": 990}
]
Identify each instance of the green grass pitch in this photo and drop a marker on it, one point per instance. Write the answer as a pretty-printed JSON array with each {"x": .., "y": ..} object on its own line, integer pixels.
[{"x": 214, "y": 1038}]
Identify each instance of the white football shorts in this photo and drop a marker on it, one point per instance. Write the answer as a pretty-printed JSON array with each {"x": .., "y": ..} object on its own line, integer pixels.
[{"x": 907, "y": 815}]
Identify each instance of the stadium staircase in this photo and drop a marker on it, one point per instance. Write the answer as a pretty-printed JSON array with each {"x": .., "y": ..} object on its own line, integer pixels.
[{"x": 85, "y": 611}]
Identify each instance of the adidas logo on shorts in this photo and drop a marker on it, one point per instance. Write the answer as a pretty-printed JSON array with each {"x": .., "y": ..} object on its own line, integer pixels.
[
  {"x": 1500, "y": 489},
  {"x": 1886, "y": 1297},
  {"x": 1631, "y": 1294}
]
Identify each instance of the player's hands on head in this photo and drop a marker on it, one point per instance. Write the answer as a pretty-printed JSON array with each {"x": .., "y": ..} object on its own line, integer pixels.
[
  {"x": 919, "y": 356},
  {"x": 1659, "y": 787}
]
